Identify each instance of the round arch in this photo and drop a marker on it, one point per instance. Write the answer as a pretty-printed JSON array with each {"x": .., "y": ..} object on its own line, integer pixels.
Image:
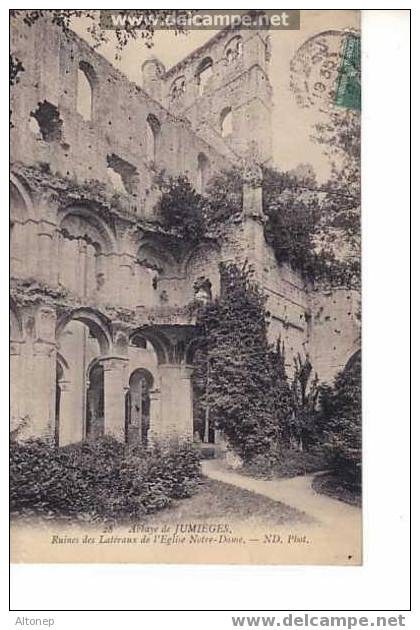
[
  {"x": 16, "y": 330},
  {"x": 191, "y": 348},
  {"x": 62, "y": 362},
  {"x": 142, "y": 373},
  {"x": 154, "y": 252},
  {"x": 159, "y": 342},
  {"x": 137, "y": 406},
  {"x": 20, "y": 193},
  {"x": 97, "y": 324},
  {"x": 196, "y": 250},
  {"x": 98, "y": 227}
]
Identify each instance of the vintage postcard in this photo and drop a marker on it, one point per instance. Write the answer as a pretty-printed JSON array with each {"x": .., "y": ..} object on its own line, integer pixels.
[{"x": 185, "y": 286}]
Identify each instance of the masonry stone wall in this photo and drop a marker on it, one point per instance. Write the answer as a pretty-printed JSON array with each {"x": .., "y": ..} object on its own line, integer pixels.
[
  {"x": 238, "y": 82},
  {"x": 118, "y": 129},
  {"x": 102, "y": 329}
]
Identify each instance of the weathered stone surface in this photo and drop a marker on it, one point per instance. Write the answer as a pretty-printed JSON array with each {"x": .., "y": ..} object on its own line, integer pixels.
[{"x": 101, "y": 317}]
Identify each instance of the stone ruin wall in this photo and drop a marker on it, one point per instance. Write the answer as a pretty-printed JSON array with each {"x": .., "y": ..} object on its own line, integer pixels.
[{"x": 54, "y": 243}]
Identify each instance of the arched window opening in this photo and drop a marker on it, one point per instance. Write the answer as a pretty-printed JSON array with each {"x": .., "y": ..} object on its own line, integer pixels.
[
  {"x": 85, "y": 241},
  {"x": 152, "y": 137},
  {"x": 82, "y": 341},
  {"x": 95, "y": 403},
  {"x": 178, "y": 88},
  {"x": 85, "y": 84},
  {"x": 233, "y": 50},
  {"x": 203, "y": 167},
  {"x": 204, "y": 73},
  {"x": 137, "y": 406},
  {"x": 226, "y": 122}
]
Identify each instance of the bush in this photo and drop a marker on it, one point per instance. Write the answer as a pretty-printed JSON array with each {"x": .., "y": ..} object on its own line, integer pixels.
[
  {"x": 99, "y": 480},
  {"x": 285, "y": 462},
  {"x": 181, "y": 207},
  {"x": 342, "y": 417}
]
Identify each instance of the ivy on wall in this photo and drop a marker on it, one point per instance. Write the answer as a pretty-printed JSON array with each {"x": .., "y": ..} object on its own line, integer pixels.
[
  {"x": 236, "y": 372},
  {"x": 242, "y": 389},
  {"x": 310, "y": 228}
]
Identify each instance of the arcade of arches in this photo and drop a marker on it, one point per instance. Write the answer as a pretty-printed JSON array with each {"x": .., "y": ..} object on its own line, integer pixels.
[
  {"x": 102, "y": 333},
  {"x": 77, "y": 370}
]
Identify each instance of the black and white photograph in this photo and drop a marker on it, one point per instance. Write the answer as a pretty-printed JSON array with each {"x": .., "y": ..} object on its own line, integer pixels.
[{"x": 185, "y": 255}]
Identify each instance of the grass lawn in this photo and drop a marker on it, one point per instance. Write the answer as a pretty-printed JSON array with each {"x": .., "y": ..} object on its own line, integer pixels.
[{"x": 216, "y": 500}]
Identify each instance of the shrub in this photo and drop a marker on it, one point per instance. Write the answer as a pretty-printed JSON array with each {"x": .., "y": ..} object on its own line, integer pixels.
[
  {"x": 342, "y": 408},
  {"x": 99, "y": 479},
  {"x": 181, "y": 207},
  {"x": 281, "y": 461}
]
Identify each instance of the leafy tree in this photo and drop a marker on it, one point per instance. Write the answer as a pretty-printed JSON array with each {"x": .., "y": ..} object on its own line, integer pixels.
[
  {"x": 341, "y": 409},
  {"x": 300, "y": 223},
  {"x": 340, "y": 219}
]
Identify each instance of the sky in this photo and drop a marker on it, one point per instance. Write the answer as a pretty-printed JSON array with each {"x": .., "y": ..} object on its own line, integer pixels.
[{"x": 292, "y": 125}]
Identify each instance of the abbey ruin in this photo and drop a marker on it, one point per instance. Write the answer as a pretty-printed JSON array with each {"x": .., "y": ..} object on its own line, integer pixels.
[{"x": 102, "y": 336}]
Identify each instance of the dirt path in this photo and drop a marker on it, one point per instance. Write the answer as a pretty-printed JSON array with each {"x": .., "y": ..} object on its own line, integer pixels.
[{"x": 295, "y": 492}]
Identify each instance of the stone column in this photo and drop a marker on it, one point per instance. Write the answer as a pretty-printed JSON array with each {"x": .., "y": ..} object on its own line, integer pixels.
[
  {"x": 155, "y": 417},
  {"x": 46, "y": 261},
  {"x": 253, "y": 217},
  {"x": 70, "y": 427},
  {"x": 167, "y": 424},
  {"x": 186, "y": 420},
  {"x": 18, "y": 251},
  {"x": 42, "y": 370},
  {"x": 177, "y": 403},
  {"x": 114, "y": 396},
  {"x": 81, "y": 277},
  {"x": 42, "y": 417},
  {"x": 15, "y": 383},
  {"x": 127, "y": 295}
]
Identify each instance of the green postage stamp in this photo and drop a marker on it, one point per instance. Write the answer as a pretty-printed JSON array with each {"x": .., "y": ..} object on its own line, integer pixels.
[{"x": 348, "y": 84}]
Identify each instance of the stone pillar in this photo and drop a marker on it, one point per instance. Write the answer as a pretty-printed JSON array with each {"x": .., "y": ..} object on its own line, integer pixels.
[
  {"x": 186, "y": 407},
  {"x": 113, "y": 277},
  {"x": 43, "y": 376},
  {"x": 101, "y": 280},
  {"x": 253, "y": 217},
  {"x": 81, "y": 276},
  {"x": 176, "y": 402},
  {"x": 42, "y": 370},
  {"x": 46, "y": 261},
  {"x": 114, "y": 396},
  {"x": 127, "y": 295},
  {"x": 18, "y": 251},
  {"x": 155, "y": 417},
  {"x": 16, "y": 392},
  {"x": 70, "y": 426}
]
